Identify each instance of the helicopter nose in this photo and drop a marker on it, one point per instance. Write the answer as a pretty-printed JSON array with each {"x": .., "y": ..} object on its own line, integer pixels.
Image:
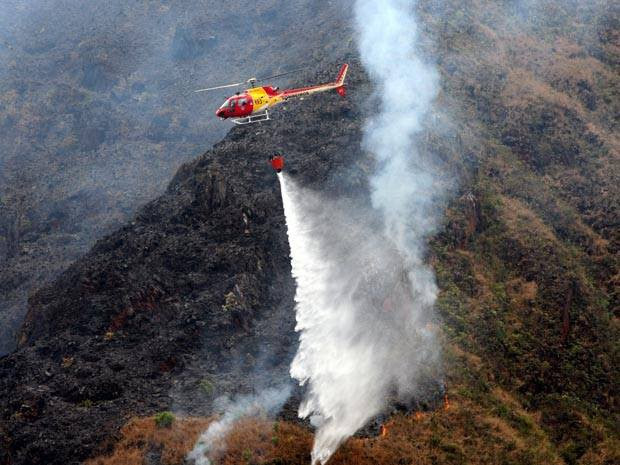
[{"x": 219, "y": 113}]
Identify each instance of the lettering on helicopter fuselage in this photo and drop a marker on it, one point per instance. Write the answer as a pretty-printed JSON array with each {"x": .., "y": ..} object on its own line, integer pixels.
[{"x": 300, "y": 94}]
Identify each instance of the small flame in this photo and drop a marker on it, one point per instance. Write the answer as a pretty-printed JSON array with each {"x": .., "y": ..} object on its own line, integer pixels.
[
  {"x": 446, "y": 402},
  {"x": 384, "y": 430},
  {"x": 418, "y": 415}
]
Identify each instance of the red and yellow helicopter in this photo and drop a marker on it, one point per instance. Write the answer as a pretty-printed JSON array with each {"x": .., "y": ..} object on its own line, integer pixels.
[{"x": 251, "y": 105}]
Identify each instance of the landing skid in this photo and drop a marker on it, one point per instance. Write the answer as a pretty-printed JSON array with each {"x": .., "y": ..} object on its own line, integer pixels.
[{"x": 253, "y": 118}]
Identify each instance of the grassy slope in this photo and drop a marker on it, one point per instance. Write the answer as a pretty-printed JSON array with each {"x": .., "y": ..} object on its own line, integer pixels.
[{"x": 527, "y": 261}]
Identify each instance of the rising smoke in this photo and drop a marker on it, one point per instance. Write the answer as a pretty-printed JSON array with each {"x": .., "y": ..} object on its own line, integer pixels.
[
  {"x": 364, "y": 295},
  {"x": 210, "y": 443},
  {"x": 404, "y": 186}
]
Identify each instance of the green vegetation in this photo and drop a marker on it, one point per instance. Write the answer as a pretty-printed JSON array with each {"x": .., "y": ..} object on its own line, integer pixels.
[
  {"x": 527, "y": 268},
  {"x": 164, "y": 419},
  {"x": 207, "y": 387},
  {"x": 86, "y": 403}
]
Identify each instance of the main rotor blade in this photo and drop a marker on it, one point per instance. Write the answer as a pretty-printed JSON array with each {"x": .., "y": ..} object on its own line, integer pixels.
[
  {"x": 219, "y": 87},
  {"x": 281, "y": 74},
  {"x": 252, "y": 80}
]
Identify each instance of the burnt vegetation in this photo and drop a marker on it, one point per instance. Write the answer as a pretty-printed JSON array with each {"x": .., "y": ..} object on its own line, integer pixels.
[{"x": 97, "y": 112}]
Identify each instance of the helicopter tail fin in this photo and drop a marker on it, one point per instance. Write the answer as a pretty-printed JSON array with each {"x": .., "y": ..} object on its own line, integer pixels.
[
  {"x": 340, "y": 87},
  {"x": 342, "y": 74}
]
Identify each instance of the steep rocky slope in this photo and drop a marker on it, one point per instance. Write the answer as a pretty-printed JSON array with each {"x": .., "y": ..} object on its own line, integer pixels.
[
  {"x": 527, "y": 263},
  {"x": 198, "y": 280},
  {"x": 97, "y": 112}
]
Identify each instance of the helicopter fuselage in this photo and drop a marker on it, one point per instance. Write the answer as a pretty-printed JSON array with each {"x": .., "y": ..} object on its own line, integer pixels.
[
  {"x": 258, "y": 99},
  {"x": 250, "y": 101}
]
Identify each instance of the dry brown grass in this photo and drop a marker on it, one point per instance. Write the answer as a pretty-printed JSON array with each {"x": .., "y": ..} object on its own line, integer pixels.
[
  {"x": 255, "y": 440},
  {"x": 461, "y": 434},
  {"x": 606, "y": 452},
  {"x": 464, "y": 432},
  {"x": 524, "y": 88},
  {"x": 141, "y": 435},
  {"x": 468, "y": 357},
  {"x": 521, "y": 293},
  {"x": 523, "y": 222},
  {"x": 501, "y": 428}
]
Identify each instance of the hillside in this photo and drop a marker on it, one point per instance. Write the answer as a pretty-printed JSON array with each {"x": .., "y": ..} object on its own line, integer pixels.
[
  {"x": 179, "y": 305},
  {"x": 97, "y": 112},
  {"x": 175, "y": 297}
]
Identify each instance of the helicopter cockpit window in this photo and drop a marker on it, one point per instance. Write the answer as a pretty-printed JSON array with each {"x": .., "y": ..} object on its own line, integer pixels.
[
  {"x": 242, "y": 102},
  {"x": 233, "y": 102}
]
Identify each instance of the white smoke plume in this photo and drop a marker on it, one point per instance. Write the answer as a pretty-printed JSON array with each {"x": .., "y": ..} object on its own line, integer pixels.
[
  {"x": 404, "y": 188},
  {"x": 210, "y": 443},
  {"x": 364, "y": 294}
]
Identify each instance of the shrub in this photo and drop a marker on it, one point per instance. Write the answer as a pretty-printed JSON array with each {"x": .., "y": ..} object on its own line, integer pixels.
[
  {"x": 86, "y": 403},
  {"x": 206, "y": 386},
  {"x": 164, "y": 419}
]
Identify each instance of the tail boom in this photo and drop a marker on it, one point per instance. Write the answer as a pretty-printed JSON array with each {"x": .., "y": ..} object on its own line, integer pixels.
[{"x": 337, "y": 85}]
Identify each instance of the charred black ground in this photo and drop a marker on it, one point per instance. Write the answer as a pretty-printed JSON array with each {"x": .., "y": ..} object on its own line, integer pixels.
[{"x": 198, "y": 282}]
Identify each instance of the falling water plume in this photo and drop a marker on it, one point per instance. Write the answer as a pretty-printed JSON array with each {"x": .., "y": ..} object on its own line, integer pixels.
[{"x": 363, "y": 333}]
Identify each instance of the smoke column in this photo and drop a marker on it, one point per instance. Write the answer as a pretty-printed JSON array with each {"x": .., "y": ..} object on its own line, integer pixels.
[
  {"x": 404, "y": 187},
  {"x": 364, "y": 295}
]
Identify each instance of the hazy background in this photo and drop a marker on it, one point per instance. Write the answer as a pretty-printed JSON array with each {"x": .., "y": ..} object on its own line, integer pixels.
[{"x": 97, "y": 111}]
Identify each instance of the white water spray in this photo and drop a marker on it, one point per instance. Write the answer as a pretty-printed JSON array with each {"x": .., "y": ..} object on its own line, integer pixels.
[
  {"x": 363, "y": 335},
  {"x": 364, "y": 295}
]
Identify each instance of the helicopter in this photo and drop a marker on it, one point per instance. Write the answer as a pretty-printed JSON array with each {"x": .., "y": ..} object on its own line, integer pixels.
[{"x": 251, "y": 105}]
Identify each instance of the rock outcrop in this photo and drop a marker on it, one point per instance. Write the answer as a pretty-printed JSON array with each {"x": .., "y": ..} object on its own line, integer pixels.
[{"x": 199, "y": 280}]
